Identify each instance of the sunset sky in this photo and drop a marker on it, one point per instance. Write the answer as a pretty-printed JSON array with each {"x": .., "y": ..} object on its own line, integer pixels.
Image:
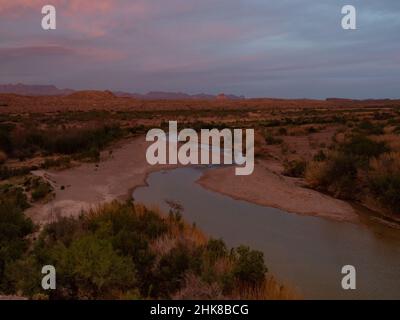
[{"x": 266, "y": 48}]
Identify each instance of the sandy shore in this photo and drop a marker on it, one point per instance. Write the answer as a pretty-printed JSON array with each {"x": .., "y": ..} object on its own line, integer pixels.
[
  {"x": 266, "y": 187},
  {"x": 126, "y": 168},
  {"x": 90, "y": 185}
]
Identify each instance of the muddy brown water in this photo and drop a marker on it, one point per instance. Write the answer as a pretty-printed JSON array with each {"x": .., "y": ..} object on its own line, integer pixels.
[{"x": 304, "y": 252}]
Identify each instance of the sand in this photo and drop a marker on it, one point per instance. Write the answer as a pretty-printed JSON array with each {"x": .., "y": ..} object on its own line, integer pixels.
[
  {"x": 89, "y": 185},
  {"x": 126, "y": 168},
  {"x": 268, "y": 188}
]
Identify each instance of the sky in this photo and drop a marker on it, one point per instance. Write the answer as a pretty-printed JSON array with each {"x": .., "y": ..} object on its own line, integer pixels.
[{"x": 256, "y": 48}]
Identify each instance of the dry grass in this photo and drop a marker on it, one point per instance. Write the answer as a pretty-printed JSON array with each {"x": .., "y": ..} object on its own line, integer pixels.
[
  {"x": 392, "y": 140},
  {"x": 194, "y": 287},
  {"x": 386, "y": 164},
  {"x": 271, "y": 289},
  {"x": 315, "y": 172}
]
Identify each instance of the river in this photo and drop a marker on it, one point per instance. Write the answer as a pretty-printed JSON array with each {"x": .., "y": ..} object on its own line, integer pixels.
[{"x": 304, "y": 252}]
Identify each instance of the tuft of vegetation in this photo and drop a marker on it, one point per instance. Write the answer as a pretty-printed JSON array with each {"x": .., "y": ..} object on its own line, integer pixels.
[
  {"x": 384, "y": 181},
  {"x": 295, "y": 168},
  {"x": 370, "y": 128},
  {"x": 14, "y": 227},
  {"x": 339, "y": 173},
  {"x": 271, "y": 140},
  {"x": 25, "y": 142},
  {"x": 123, "y": 250}
]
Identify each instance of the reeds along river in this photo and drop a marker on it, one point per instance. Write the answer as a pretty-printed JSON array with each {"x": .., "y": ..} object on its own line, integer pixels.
[{"x": 305, "y": 252}]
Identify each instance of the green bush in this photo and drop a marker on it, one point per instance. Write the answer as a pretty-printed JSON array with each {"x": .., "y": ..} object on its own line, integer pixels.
[
  {"x": 386, "y": 189},
  {"x": 337, "y": 175},
  {"x": 110, "y": 253},
  {"x": 14, "y": 227},
  {"x": 216, "y": 249},
  {"x": 91, "y": 268},
  {"x": 41, "y": 191},
  {"x": 368, "y": 127},
  {"x": 362, "y": 148},
  {"x": 13, "y": 195},
  {"x": 295, "y": 168},
  {"x": 384, "y": 181},
  {"x": 25, "y": 142},
  {"x": 249, "y": 265}
]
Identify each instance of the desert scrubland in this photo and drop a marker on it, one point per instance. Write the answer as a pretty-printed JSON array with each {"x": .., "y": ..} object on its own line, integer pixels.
[{"x": 64, "y": 159}]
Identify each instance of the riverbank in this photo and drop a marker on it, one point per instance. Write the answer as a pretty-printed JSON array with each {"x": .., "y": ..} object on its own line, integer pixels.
[
  {"x": 121, "y": 169},
  {"x": 268, "y": 188},
  {"x": 124, "y": 168}
]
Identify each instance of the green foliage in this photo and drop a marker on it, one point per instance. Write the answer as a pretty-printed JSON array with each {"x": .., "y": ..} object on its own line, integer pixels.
[
  {"x": 91, "y": 268},
  {"x": 13, "y": 195},
  {"x": 41, "y": 191},
  {"x": 249, "y": 266},
  {"x": 387, "y": 190},
  {"x": 216, "y": 249},
  {"x": 338, "y": 173},
  {"x": 384, "y": 181},
  {"x": 172, "y": 267},
  {"x": 338, "y": 176},
  {"x": 7, "y": 172},
  {"x": 361, "y": 148},
  {"x": 295, "y": 168},
  {"x": 367, "y": 127},
  {"x": 87, "y": 141},
  {"x": 14, "y": 227},
  {"x": 110, "y": 253}
]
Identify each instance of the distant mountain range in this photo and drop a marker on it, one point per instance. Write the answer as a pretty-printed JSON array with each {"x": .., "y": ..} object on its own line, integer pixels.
[
  {"x": 34, "y": 90},
  {"x": 50, "y": 90}
]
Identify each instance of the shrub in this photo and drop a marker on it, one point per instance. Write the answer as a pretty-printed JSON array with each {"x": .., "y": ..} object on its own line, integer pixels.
[
  {"x": 171, "y": 270},
  {"x": 270, "y": 139},
  {"x": 295, "y": 168},
  {"x": 320, "y": 156},
  {"x": 14, "y": 227},
  {"x": 384, "y": 181},
  {"x": 111, "y": 252},
  {"x": 363, "y": 148},
  {"x": 337, "y": 175},
  {"x": 14, "y": 196},
  {"x": 41, "y": 191},
  {"x": 249, "y": 265},
  {"x": 216, "y": 249},
  {"x": 6, "y": 144},
  {"x": 92, "y": 265},
  {"x": 368, "y": 127},
  {"x": 7, "y": 172},
  {"x": 22, "y": 143}
]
